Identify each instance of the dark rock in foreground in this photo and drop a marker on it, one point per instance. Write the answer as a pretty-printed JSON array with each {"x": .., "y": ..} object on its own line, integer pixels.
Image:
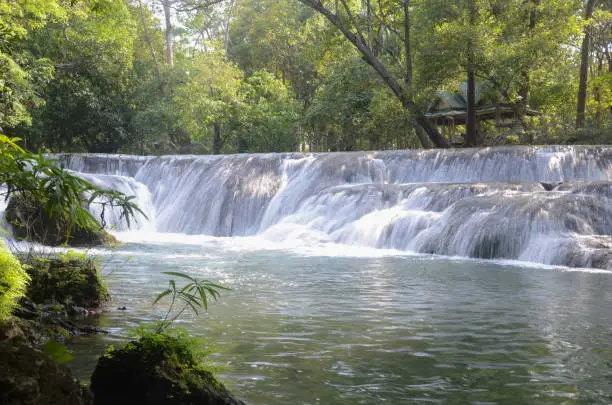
[
  {"x": 43, "y": 322},
  {"x": 156, "y": 370},
  {"x": 31, "y": 377}
]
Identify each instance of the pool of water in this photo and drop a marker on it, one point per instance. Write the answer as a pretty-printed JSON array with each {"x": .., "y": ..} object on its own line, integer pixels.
[{"x": 346, "y": 325}]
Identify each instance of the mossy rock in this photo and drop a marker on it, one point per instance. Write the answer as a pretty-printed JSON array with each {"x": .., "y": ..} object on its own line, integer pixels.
[
  {"x": 62, "y": 291},
  {"x": 71, "y": 281},
  {"x": 42, "y": 323},
  {"x": 29, "y": 221},
  {"x": 158, "y": 369},
  {"x": 31, "y": 377}
]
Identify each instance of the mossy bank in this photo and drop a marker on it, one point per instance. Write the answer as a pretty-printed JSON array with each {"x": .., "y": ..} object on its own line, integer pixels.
[{"x": 31, "y": 221}]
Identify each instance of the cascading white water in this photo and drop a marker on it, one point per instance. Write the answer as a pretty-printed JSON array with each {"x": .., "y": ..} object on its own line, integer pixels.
[
  {"x": 129, "y": 187},
  {"x": 545, "y": 204}
]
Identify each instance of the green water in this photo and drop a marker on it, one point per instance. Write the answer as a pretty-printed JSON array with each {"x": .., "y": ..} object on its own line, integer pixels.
[{"x": 338, "y": 326}]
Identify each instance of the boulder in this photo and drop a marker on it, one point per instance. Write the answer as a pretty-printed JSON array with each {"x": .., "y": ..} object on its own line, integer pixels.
[
  {"x": 158, "y": 369},
  {"x": 72, "y": 281},
  {"x": 44, "y": 322},
  {"x": 31, "y": 377},
  {"x": 29, "y": 221},
  {"x": 550, "y": 186},
  {"x": 62, "y": 291}
]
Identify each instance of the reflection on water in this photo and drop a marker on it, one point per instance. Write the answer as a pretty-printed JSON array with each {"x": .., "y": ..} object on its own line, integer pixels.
[{"x": 307, "y": 328}]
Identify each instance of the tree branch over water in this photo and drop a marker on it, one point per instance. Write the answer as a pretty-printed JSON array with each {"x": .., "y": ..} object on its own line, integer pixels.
[{"x": 429, "y": 135}]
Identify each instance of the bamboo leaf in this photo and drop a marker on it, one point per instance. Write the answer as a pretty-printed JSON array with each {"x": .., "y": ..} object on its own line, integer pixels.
[
  {"x": 162, "y": 295},
  {"x": 177, "y": 274}
]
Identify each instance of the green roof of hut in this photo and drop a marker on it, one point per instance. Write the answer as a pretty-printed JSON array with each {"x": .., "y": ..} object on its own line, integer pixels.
[{"x": 453, "y": 105}]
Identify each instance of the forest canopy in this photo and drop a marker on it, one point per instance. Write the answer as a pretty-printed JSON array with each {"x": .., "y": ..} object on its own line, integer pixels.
[{"x": 233, "y": 76}]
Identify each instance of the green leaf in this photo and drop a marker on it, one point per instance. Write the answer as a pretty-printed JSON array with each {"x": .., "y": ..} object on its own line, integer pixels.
[
  {"x": 162, "y": 295},
  {"x": 57, "y": 351},
  {"x": 203, "y": 297},
  {"x": 177, "y": 274},
  {"x": 191, "y": 305}
]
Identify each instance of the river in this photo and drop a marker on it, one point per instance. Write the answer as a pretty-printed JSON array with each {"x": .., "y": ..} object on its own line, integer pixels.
[
  {"x": 339, "y": 325},
  {"x": 474, "y": 276}
]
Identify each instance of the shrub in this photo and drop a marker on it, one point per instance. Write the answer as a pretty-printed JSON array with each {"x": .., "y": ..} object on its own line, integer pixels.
[{"x": 13, "y": 281}]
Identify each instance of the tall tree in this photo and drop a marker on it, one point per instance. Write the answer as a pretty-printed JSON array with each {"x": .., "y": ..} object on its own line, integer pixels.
[
  {"x": 168, "y": 34},
  {"x": 179, "y": 6},
  {"x": 347, "y": 22},
  {"x": 600, "y": 80},
  {"x": 22, "y": 75},
  {"x": 471, "y": 135},
  {"x": 525, "y": 86},
  {"x": 585, "y": 51},
  {"x": 211, "y": 98},
  {"x": 147, "y": 37},
  {"x": 407, "y": 46},
  {"x": 84, "y": 107}
]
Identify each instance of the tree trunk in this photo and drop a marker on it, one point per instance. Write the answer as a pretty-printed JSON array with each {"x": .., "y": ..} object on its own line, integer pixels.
[
  {"x": 429, "y": 135},
  {"x": 326, "y": 141},
  {"x": 216, "y": 138},
  {"x": 597, "y": 91},
  {"x": 608, "y": 55},
  {"x": 584, "y": 66},
  {"x": 422, "y": 134},
  {"x": 168, "y": 33},
  {"x": 230, "y": 9},
  {"x": 407, "y": 48},
  {"x": 525, "y": 86},
  {"x": 148, "y": 40},
  {"x": 471, "y": 137},
  {"x": 369, "y": 17}
]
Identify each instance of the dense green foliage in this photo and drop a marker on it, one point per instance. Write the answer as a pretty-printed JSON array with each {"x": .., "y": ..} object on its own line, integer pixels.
[
  {"x": 13, "y": 281},
  {"x": 178, "y": 76},
  {"x": 182, "y": 347}
]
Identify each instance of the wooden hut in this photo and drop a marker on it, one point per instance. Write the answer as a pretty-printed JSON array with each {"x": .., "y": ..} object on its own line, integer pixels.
[{"x": 449, "y": 110}]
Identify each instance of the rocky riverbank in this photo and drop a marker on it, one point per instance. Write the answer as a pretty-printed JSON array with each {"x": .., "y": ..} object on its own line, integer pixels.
[{"x": 159, "y": 368}]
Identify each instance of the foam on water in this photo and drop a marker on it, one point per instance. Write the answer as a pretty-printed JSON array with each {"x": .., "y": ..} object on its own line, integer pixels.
[{"x": 549, "y": 205}]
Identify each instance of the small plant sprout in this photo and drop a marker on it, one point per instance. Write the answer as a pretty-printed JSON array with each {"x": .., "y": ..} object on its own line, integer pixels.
[{"x": 194, "y": 295}]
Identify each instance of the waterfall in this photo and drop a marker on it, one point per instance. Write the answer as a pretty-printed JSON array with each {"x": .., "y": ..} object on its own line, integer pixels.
[{"x": 549, "y": 204}]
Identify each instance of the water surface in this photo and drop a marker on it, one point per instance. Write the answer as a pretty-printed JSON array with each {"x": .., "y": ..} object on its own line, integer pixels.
[{"x": 350, "y": 325}]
